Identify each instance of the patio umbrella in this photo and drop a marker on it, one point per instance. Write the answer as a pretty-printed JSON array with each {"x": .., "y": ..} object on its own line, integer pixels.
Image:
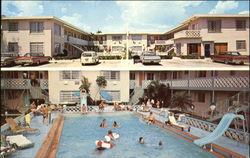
[{"x": 105, "y": 95}]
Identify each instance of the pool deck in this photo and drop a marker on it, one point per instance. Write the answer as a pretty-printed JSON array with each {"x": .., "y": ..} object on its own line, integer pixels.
[{"x": 39, "y": 138}]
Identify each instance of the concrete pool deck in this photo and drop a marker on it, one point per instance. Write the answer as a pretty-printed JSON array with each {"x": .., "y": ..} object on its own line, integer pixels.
[{"x": 240, "y": 148}]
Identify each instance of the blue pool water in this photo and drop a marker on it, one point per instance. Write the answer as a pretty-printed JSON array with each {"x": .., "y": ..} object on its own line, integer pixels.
[{"x": 80, "y": 133}]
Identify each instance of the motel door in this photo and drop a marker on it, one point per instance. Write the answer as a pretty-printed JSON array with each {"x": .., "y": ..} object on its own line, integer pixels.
[
  {"x": 220, "y": 47},
  {"x": 207, "y": 50}
]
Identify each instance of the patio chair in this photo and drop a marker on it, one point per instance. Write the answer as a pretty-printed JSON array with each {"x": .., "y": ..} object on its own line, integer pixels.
[
  {"x": 19, "y": 141},
  {"x": 15, "y": 128},
  {"x": 173, "y": 122}
]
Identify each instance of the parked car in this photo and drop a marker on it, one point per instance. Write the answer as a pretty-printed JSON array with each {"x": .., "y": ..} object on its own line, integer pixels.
[
  {"x": 89, "y": 57},
  {"x": 150, "y": 57},
  {"x": 8, "y": 59},
  {"x": 232, "y": 57},
  {"x": 32, "y": 59}
]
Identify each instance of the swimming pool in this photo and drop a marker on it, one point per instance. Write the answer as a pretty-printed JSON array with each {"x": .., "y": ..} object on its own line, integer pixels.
[{"x": 80, "y": 133}]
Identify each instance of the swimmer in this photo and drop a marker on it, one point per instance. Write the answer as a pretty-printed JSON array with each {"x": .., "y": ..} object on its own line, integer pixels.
[
  {"x": 110, "y": 134},
  {"x": 160, "y": 143},
  {"x": 141, "y": 140},
  {"x": 115, "y": 125},
  {"x": 151, "y": 118},
  {"x": 103, "y": 123}
]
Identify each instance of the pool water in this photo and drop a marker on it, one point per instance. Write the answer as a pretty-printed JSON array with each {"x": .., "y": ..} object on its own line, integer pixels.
[{"x": 80, "y": 133}]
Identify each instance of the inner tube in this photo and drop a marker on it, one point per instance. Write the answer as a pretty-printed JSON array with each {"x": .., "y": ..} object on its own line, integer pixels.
[
  {"x": 116, "y": 135},
  {"x": 104, "y": 144}
]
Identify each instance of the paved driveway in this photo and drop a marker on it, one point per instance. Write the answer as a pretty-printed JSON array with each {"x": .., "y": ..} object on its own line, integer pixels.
[{"x": 168, "y": 64}]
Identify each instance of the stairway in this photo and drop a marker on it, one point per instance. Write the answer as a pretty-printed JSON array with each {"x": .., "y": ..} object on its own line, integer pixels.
[
  {"x": 138, "y": 92},
  {"x": 36, "y": 93},
  {"x": 235, "y": 104}
]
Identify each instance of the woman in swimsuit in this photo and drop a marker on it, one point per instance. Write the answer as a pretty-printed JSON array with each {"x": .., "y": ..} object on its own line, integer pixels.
[{"x": 103, "y": 123}]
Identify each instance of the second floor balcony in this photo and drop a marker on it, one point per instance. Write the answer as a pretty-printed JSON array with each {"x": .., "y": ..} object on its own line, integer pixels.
[
  {"x": 73, "y": 40},
  {"x": 97, "y": 43},
  {"x": 22, "y": 83},
  {"x": 232, "y": 83},
  {"x": 187, "y": 34},
  {"x": 164, "y": 42}
]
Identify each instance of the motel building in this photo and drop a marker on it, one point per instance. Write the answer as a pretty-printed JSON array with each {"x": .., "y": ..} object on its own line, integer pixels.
[
  {"x": 47, "y": 35},
  {"x": 222, "y": 88},
  {"x": 199, "y": 35}
]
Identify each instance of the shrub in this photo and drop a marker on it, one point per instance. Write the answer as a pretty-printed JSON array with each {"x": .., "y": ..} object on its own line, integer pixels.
[{"x": 166, "y": 56}]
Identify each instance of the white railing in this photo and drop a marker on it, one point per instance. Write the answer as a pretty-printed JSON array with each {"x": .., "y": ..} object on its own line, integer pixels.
[
  {"x": 212, "y": 83},
  {"x": 21, "y": 83},
  {"x": 187, "y": 34},
  {"x": 74, "y": 40},
  {"x": 164, "y": 42},
  {"x": 132, "y": 84},
  {"x": 100, "y": 42}
]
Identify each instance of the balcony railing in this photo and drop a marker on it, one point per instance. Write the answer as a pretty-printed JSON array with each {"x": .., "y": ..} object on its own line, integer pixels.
[
  {"x": 21, "y": 83},
  {"x": 96, "y": 43},
  {"x": 239, "y": 83},
  {"x": 73, "y": 40},
  {"x": 187, "y": 34}
]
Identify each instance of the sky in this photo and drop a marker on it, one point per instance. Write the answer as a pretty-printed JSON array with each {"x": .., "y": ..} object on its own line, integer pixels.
[{"x": 117, "y": 16}]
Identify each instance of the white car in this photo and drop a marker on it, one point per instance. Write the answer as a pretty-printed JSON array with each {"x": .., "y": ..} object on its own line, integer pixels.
[
  {"x": 89, "y": 57},
  {"x": 150, "y": 58}
]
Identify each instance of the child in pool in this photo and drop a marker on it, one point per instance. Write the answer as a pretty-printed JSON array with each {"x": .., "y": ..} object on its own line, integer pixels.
[{"x": 103, "y": 123}]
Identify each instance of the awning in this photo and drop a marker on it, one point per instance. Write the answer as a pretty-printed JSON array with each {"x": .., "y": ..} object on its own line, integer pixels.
[{"x": 105, "y": 95}]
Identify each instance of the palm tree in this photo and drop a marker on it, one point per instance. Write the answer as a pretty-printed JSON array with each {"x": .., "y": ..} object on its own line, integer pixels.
[
  {"x": 182, "y": 100},
  {"x": 85, "y": 84},
  {"x": 158, "y": 91},
  {"x": 101, "y": 83}
]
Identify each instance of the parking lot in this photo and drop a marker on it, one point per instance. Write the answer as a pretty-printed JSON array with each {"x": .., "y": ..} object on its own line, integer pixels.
[{"x": 167, "y": 64}]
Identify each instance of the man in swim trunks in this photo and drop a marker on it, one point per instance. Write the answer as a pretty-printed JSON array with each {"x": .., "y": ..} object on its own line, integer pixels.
[{"x": 151, "y": 118}]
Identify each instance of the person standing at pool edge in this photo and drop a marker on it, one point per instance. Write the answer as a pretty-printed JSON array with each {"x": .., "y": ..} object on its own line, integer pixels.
[{"x": 151, "y": 118}]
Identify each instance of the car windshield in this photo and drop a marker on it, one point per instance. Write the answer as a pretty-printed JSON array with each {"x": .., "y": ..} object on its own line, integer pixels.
[
  {"x": 9, "y": 55},
  {"x": 234, "y": 53},
  {"x": 87, "y": 54},
  {"x": 149, "y": 53}
]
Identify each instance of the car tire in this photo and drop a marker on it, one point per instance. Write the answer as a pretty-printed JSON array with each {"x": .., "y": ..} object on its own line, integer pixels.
[{"x": 38, "y": 63}]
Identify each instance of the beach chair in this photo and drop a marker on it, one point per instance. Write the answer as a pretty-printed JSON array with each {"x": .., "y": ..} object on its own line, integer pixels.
[
  {"x": 19, "y": 141},
  {"x": 173, "y": 122},
  {"x": 15, "y": 128}
]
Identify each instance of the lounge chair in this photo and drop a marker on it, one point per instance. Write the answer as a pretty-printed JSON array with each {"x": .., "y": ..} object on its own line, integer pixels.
[
  {"x": 19, "y": 141},
  {"x": 6, "y": 149},
  {"x": 174, "y": 123},
  {"x": 16, "y": 128}
]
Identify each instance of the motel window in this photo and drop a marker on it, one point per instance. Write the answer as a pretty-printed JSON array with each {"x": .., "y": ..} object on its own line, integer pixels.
[
  {"x": 116, "y": 38},
  {"x": 201, "y": 97},
  {"x": 57, "y": 29},
  {"x": 132, "y": 76},
  {"x": 57, "y": 48},
  {"x": 115, "y": 95},
  {"x": 70, "y": 75},
  {"x": 36, "y": 27},
  {"x": 69, "y": 96},
  {"x": 150, "y": 76},
  {"x": 36, "y": 47},
  {"x": 241, "y": 45},
  {"x": 136, "y": 37},
  {"x": 214, "y": 26},
  {"x": 163, "y": 75},
  {"x": 117, "y": 48},
  {"x": 240, "y": 25},
  {"x": 201, "y": 74},
  {"x": 111, "y": 75},
  {"x": 12, "y": 47},
  {"x": 13, "y": 26}
]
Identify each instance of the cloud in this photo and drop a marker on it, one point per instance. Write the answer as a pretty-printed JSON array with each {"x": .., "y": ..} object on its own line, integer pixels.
[
  {"x": 76, "y": 20},
  {"x": 244, "y": 12},
  {"x": 149, "y": 15},
  {"x": 27, "y": 8},
  {"x": 64, "y": 10},
  {"x": 223, "y": 6},
  {"x": 109, "y": 18}
]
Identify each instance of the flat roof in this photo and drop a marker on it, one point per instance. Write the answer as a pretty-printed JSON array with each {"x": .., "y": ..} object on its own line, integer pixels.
[
  {"x": 124, "y": 33},
  {"x": 66, "y": 24},
  {"x": 196, "y": 16}
]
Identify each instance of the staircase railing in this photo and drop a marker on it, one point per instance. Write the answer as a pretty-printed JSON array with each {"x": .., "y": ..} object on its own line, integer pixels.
[{"x": 138, "y": 92}]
